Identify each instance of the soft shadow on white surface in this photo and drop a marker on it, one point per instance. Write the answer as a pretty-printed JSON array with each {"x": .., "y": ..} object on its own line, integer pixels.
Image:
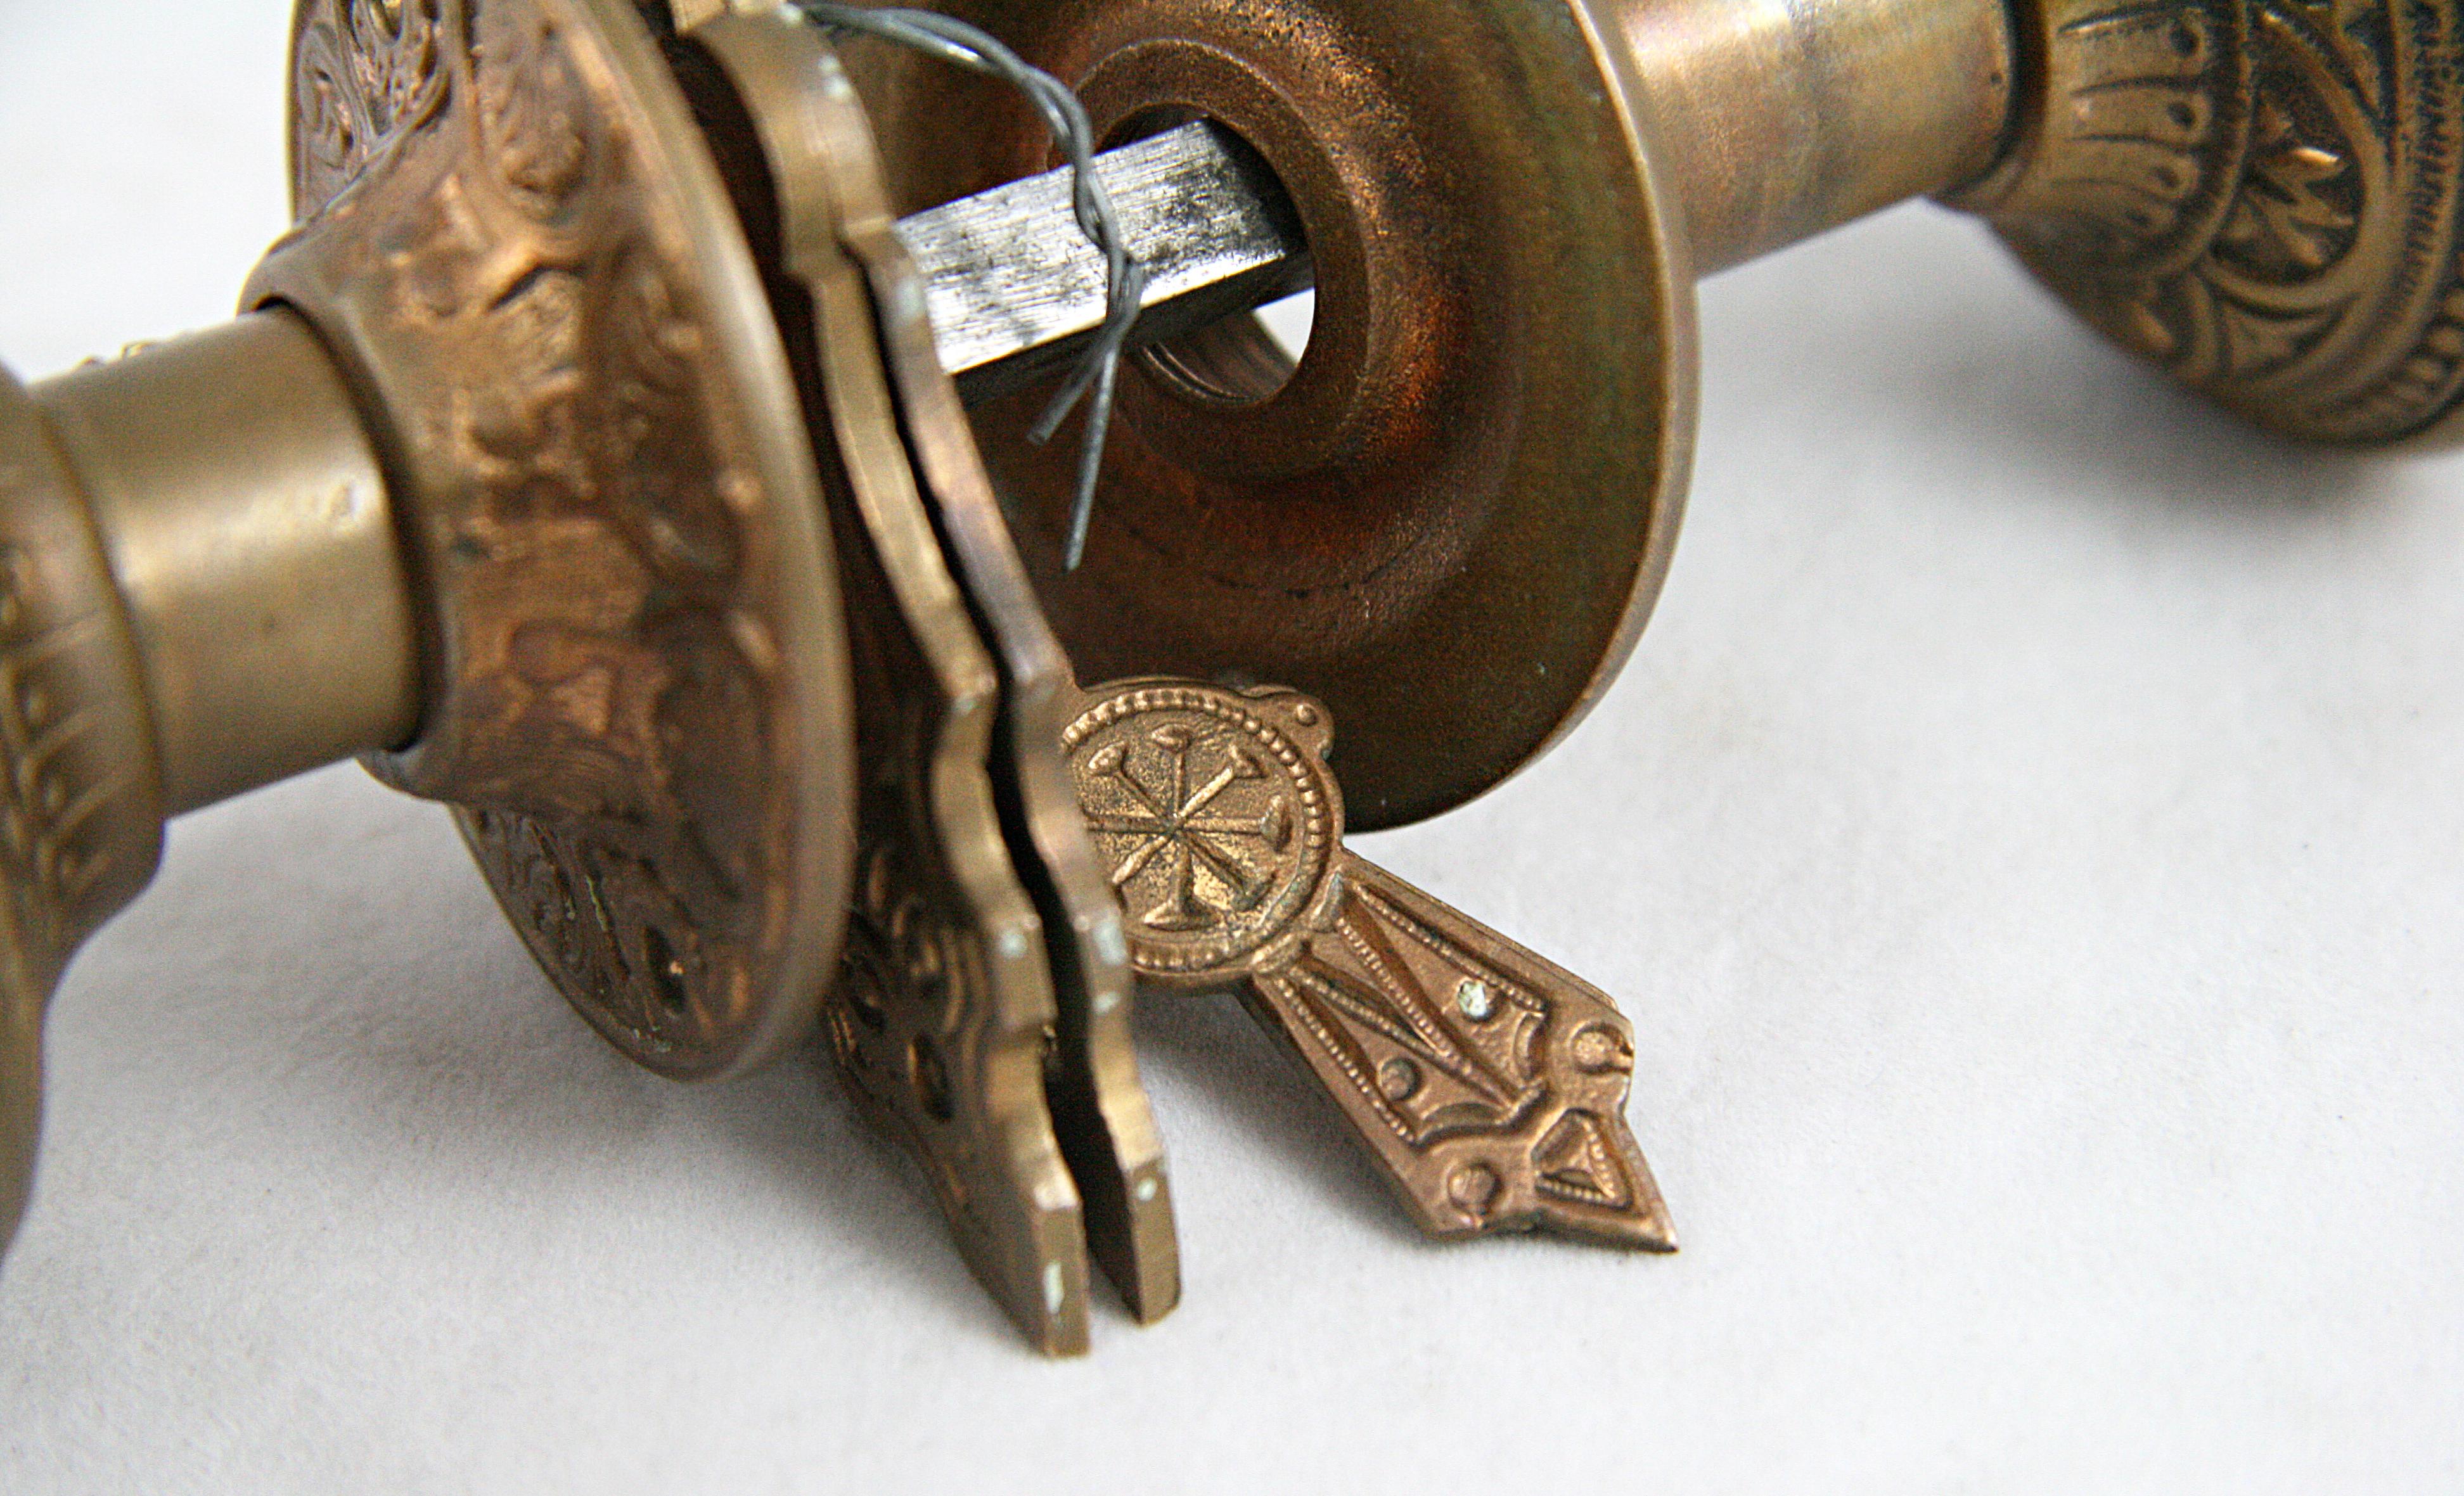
[
  {"x": 1205, "y": 1047},
  {"x": 2026, "y": 841}
]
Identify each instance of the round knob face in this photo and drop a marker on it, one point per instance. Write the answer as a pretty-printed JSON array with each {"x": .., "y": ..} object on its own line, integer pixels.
[
  {"x": 637, "y": 680},
  {"x": 1449, "y": 517},
  {"x": 2260, "y": 195},
  {"x": 80, "y": 815},
  {"x": 1216, "y": 815}
]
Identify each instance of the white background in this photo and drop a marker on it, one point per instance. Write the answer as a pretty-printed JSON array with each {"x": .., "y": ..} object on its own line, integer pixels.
[{"x": 2027, "y": 841}]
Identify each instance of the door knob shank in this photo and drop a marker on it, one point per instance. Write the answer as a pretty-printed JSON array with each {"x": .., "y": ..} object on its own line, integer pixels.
[
  {"x": 1779, "y": 118},
  {"x": 244, "y": 517}
]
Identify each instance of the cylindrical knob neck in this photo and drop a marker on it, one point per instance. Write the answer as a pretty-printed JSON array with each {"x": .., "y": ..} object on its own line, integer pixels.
[
  {"x": 244, "y": 520},
  {"x": 1779, "y": 118}
]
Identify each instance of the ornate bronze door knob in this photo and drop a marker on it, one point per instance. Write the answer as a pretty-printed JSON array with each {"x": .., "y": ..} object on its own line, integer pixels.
[
  {"x": 1449, "y": 520},
  {"x": 585, "y": 458},
  {"x": 555, "y": 469}
]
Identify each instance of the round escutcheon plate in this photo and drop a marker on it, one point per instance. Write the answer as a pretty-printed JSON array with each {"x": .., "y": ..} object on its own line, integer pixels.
[
  {"x": 1449, "y": 520},
  {"x": 1216, "y": 816},
  {"x": 513, "y": 233}
]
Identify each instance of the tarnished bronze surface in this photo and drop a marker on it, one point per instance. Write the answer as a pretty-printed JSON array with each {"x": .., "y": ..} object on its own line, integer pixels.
[
  {"x": 263, "y": 585},
  {"x": 942, "y": 1012},
  {"x": 2263, "y": 196},
  {"x": 515, "y": 388},
  {"x": 1489, "y": 1085},
  {"x": 200, "y": 591},
  {"x": 81, "y": 798},
  {"x": 1782, "y": 118},
  {"x": 2129, "y": 148},
  {"x": 1100, "y": 1108},
  {"x": 1450, "y": 519},
  {"x": 1427, "y": 525},
  {"x": 509, "y": 484},
  {"x": 514, "y": 238}
]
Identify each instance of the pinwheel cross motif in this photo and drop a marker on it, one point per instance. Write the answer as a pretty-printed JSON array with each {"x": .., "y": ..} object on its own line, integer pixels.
[{"x": 1189, "y": 835}]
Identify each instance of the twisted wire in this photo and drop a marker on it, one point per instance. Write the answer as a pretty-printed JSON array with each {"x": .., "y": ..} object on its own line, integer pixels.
[{"x": 1098, "y": 371}]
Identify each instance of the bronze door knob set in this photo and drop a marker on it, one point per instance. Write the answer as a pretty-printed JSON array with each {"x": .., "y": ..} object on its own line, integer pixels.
[{"x": 628, "y": 446}]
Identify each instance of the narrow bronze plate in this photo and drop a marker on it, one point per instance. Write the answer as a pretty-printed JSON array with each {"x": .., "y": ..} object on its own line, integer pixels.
[
  {"x": 1489, "y": 1085},
  {"x": 1107, "y": 1128},
  {"x": 941, "y": 1015}
]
